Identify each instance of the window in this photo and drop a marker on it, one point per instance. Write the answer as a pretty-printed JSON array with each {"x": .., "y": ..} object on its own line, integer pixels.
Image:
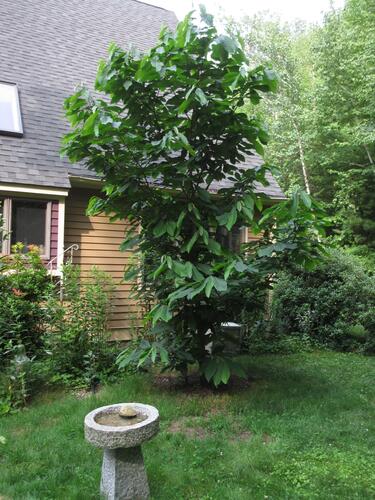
[
  {"x": 26, "y": 221},
  {"x": 232, "y": 240},
  {"x": 2, "y": 227},
  {"x": 10, "y": 113}
]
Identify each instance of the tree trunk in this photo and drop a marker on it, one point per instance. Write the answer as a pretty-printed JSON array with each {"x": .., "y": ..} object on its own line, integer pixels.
[
  {"x": 202, "y": 342},
  {"x": 368, "y": 154},
  {"x": 302, "y": 160}
]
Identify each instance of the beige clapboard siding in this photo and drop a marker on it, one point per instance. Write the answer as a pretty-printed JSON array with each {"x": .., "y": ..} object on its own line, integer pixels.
[
  {"x": 252, "y": 237},
  {"x": 99, "y": 241}
]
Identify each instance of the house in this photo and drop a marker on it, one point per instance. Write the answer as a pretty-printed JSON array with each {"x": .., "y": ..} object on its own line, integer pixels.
[{"x": 47, "y": 48}]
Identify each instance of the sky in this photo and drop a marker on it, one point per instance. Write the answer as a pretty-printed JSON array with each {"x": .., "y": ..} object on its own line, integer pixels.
[{"x": 288, "y": 10}]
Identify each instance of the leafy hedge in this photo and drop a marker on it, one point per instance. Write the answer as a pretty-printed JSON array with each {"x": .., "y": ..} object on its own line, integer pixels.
[
  {"x": 24, "y": 288},
  {"x": 44, "y": 340},
  {"x": 333, "y": 306}
]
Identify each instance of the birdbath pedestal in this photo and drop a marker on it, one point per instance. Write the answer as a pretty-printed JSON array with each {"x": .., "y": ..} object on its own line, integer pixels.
[{"x": 120, "y": 429}]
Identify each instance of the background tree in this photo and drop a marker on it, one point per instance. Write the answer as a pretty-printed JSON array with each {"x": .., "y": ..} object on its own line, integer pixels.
[
  {"x": 171, "y": 128},
  {"x": 285, "y": 48},
  {"x": 321, "y": 122},
  {"x": 344, "y": 51}
]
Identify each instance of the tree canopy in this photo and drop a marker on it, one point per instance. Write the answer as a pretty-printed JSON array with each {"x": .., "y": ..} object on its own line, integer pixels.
[{"x": 321, "y": 122}]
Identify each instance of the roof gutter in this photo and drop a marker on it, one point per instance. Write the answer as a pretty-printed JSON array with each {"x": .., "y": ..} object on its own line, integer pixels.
[
  {"x": 85, "y": 182},
  {"x": 33, "y": 190}
]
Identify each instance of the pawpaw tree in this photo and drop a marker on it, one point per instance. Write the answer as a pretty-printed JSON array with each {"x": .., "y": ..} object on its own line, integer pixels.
[{"x": 166, "y": 132}]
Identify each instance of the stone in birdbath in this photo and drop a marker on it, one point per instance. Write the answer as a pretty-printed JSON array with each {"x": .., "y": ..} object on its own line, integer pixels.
[
  {"x": 121, "y": 429},
  {"x": 127, "y": 412}
]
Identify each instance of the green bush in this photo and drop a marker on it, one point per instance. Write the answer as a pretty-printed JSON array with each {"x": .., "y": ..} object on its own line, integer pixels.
[
  {"x": 24, "y": 289},
  {"x": 263, "y": 339},
  {"x": 20, "y": 379},
  {"x": 44, "y": 340},
  {"x": 365, "y": 255},
  {"x": 333, "y": 306},
  {"x": 242, "y": 302},
  {"x": 77, "y": 339}
]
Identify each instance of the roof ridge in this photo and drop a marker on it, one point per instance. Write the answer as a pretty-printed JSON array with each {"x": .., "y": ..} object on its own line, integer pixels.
[{"x": 145, "y": 2}]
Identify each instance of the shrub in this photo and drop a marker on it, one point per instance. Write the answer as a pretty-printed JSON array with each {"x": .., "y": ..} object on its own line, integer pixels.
[
  {"x": 263, "y": 339},
  {"x": 24, "y": 289},
  {"x": 365, "y": 255},
  {"x": 334, "y": 305},
  {"x": 16, "y": 380},
  {"x": 44, "y": 340},
  {"x": 78, "y": 337}
]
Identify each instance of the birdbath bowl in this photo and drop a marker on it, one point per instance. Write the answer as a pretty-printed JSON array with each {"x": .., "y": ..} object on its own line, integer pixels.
[{"x": 120, "y": 429}]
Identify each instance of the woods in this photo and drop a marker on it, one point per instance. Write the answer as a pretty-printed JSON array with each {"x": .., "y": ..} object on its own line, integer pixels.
[{"x": 321, "y": 123}]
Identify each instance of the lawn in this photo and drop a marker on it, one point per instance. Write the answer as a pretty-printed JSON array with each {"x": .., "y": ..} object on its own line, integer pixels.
[{"x": 304, "y": 427}]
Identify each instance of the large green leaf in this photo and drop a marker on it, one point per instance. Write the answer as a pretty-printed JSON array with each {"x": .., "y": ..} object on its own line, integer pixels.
[
  {"x": 201, "y": 96},
  {"x": 189, "y": 245},
  {"x": 232, "y": 219},
  {"x": 160, "y": 229},
  {"x": 183, "y": 269},
  {"x": 161, "y": 313},
  {"x": 209, "y": 286},
  {"x": 130, "y": 242},
  {"x": 214, "y": 246},
  {"x": 220, "y": 284},
  {"x": 88, "y": 126},
  {"x": 196, "y": 290},
  {"x": 306, "y": 199}
]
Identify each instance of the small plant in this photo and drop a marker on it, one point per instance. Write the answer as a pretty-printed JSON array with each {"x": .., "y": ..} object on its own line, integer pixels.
[
  {"x": 17, "y": 379},
  {"x": 78, "y": 336}
]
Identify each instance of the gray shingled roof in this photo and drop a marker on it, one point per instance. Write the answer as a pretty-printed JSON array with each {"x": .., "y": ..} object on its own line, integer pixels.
[
  {"x": 273, "y": 189},
  {"x": 47, "y": 48}
]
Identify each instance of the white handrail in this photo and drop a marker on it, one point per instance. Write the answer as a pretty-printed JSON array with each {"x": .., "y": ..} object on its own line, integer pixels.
[{"x": 71, "y": 248}]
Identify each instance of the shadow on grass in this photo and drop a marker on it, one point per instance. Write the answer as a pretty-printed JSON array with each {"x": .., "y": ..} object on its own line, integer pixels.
[{"x": 263, "y": 371}]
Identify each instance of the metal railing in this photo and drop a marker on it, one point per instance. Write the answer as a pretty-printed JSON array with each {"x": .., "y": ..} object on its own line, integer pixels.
[{"x": 67, "y": 251}]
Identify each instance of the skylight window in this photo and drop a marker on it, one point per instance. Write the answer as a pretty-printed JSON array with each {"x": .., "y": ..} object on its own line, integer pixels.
[{"x": 10, "y": 113}]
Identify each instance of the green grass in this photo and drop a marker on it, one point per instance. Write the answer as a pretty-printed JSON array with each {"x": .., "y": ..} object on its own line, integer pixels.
[{"x": 311, "y": 419}]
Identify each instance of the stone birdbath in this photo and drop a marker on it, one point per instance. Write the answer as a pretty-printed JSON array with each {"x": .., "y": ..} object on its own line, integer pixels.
[{"x": 121, "y": 429}]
